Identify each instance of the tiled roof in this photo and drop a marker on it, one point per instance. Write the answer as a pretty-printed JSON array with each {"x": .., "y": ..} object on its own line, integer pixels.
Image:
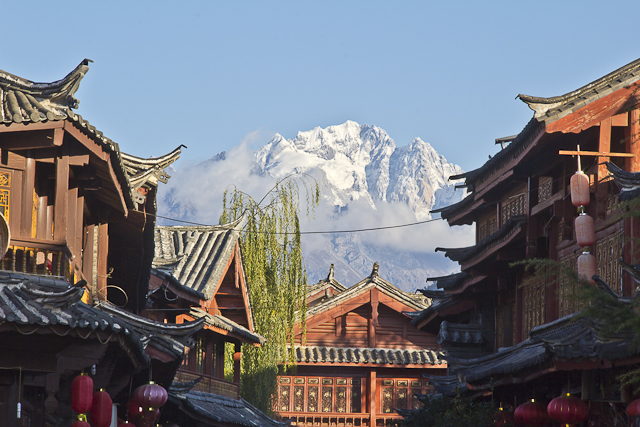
[
  {"x": 549, "y": 109},
  {"x": 460, "y": 333},
  {"x": 195, "y": 256},
  {"x": 451, "y": 281},
  {"x": 415, "y": 301},
  {"x": 321, "y": 354},
  {"x": 464, "y": 254},
  {"x": 24, "y": 101},
  {"x": 629, "y": 182},
  {"x": 47, "y": 303},
  {"x": 329, "y": 281},
  {"x": 226, "y": 324},
  {"x": 449, "y": 385},
  {"x": 220, "y": 410}
]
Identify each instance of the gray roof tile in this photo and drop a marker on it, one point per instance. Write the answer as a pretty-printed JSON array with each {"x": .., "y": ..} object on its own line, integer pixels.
[{"x": 401, "y": 356}]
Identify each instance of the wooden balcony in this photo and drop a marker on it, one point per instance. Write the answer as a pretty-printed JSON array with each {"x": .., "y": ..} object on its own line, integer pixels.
[
  {"x": 335, "y": 419},
  {"x": 41, "y": 257},
  {"x": 209, "y": 384}
]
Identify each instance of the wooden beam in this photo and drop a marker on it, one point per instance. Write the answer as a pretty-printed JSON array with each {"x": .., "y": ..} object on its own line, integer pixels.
[
  {"x": 620, "y": 120},
  {"x": 29, "y": 141},
  {"x": 594, "y": 153},
  {"x": 48, "y": 155},
  {"x": 21, "y": 127}
]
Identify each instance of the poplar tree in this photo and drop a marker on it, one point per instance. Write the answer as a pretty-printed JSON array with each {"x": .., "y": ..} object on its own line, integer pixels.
[{"x": 277, "y": 278}]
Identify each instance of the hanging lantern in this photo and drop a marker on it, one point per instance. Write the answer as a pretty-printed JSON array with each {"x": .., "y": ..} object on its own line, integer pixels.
[
  {"x": 531, "y": 414},
  {"x": 82, "y": 393},
  {"x": 503, "y": 418},
  {"x": 585, "y": 230},
  {"x": 150, "y": 395},
  {"x": 587, "y": 267},
  {"x": 633, "y": 409},
  {"x": 101, "y": 409},
  {"x": 568, "y": 410},
  {"x": 148, "y": 418},
  {"x": 579, "y": 189},
  {"x": 80, "y": 423},
  {"x": 135, "y": 410}
]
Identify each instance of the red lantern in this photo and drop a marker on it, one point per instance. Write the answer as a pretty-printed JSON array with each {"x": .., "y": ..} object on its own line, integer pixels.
[
  {"x": 80, "y": 423},
  {"x": 580, "y": 189},
  {"x": 82, "y": 393},
  {"x": 568, "y": 410},
  {"x": 585, "y": 230},
  {"x": 149, "y": 418},
  {"x": 503, "y": 418},
  {"x": 135, "y": 410},
  {"x": 101, "y": 409},
  {"x": 150, "y": 395},
  {"x": 587, "y": 267},
  {"x": 633, "y": 409},
  {"x": 531, "y": 414}
]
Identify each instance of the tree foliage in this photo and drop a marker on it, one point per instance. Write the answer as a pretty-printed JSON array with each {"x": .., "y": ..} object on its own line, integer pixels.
[
  {"x": 458, "y": 411},
  {"x": 276, "y": 274}
]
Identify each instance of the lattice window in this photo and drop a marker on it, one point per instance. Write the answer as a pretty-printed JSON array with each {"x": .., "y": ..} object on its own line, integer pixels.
[
  {"x": 534, "y": 305},
  {"x": 486, "y": 228},
  {"x": 5, "y": 184},
  {"x": 608, "y": 252},
  {"x": 331, "y": 395},
  {"x": 400, "y": 393},
  {"x": 356, "y": 402},
  {"x": 545, "y": 188},
  {"x": 513, "y": 206},
  {"x": 312, "y": 396},
  {"x": 284, "y": 395}
]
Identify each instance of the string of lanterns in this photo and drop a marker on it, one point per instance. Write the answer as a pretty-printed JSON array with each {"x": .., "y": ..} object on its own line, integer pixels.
[
  {"x": 584, "y": 225},
  {"x": 143, "y": 406}
]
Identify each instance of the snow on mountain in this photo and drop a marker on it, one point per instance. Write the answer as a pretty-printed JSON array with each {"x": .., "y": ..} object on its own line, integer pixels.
[
  {"x": 360, "y": 165},
  {"x": 366, "y": 182}
]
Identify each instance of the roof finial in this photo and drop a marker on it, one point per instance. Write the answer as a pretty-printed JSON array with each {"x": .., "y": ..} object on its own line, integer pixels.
[
  {"x": 330, "y": 276},
  {"x": 376, "y": 266}
]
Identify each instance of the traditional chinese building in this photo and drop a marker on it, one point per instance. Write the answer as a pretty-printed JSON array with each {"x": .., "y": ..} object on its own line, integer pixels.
[
  {"x": 198, "y": 275},
  {"x": 81, "y": 215},
  {"x": 360, "y": 358},
  {"x": 505, "y": 327}
]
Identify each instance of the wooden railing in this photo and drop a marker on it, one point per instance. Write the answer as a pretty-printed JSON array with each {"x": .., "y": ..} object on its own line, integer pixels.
[
  {"x": 333, "y": 419},
  {"x": 209, "y": 384},
  {"x": 38, "y": 257}
]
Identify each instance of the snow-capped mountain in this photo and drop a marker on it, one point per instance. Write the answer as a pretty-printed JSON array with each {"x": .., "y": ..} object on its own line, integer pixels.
[
  {"x": 366, "y": 182},
  {"x": 361, "y": 162}
]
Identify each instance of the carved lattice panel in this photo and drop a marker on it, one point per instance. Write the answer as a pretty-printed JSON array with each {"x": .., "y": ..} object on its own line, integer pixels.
[
  {"x": 327, "y": 399},
  {"x": 608, "y": 252},
  {"x": 341, "y": 399},
  {"x": 545, "y": 188},
  {"x": 415, "y": 402},
  {"x": 534, "y": 306},
  {"x": 312, "y": 398},
  {"x": 513, "y": 206},
  {"x": 298, "y": 398},
  {"x": 387, "y": 400},
  {"x": 283, "y": 403},
  {"x": 356, "y": 396},
  {"x": 402, "y": 398}
]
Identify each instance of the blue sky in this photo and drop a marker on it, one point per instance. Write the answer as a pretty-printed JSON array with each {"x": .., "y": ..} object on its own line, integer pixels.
[{"x": 208, "y": 73}]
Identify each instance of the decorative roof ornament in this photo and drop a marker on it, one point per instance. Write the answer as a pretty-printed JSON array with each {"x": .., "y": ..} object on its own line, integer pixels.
[
  {"x": 331, "y": 270},
  {"x": 374, "y": 272}
]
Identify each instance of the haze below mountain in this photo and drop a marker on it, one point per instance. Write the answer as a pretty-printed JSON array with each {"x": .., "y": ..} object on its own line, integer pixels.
[{"x": 366, "y": 182}]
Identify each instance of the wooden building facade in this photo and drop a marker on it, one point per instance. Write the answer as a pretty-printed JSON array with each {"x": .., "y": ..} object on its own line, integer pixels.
[
  {"x": 360, "y": 358},
  {"x": 523, "y": 326}
]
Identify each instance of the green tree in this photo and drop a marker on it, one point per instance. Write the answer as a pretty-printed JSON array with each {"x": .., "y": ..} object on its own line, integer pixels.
[
  {"x": 458, "y": 411},
  {"x": 275, "y": 270}
]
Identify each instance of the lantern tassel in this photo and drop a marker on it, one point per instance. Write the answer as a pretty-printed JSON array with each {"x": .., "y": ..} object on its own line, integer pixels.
[{"x": 579, "y": 165}]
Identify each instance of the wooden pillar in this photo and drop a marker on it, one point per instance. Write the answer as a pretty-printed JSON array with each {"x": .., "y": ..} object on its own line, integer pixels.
[
  {"x": 28, "y": 187},
  {"x": 208, "y": 361},
  {"x": 87, "y": 257},
  {"x": 518, "y": 313},
  {"x": 103, "y": 252},
  {"x": 373, "y": 321},
  {"x": 62, "y": 190},
  {"x": 237, "y": 358},
  {"x": 604, "y": 146},
  {"x": 220, "y": 367},
  {"x": 72, "y": 201},
  {"x": 79, "y": 229},
  {"x": 532, "y": 229},
  {"x": 372, "y": 397},
  {"x": 632, "y": 164}
]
